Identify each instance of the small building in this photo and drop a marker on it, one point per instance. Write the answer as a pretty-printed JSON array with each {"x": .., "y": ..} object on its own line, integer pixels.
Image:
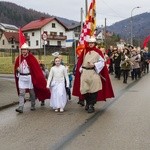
[
  {"x": 49, "y": 32},
  {"x": 9, "y": 38},
  {"x": 73, "y": 33}
]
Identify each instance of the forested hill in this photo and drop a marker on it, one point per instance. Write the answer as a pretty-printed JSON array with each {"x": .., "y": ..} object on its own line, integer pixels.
[
  {"x": 140, "y": 25},
  {"x": 11, "y": 13}
]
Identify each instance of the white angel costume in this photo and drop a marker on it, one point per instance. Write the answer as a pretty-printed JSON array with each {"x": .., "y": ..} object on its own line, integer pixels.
[{"x": 56, "y": 83}]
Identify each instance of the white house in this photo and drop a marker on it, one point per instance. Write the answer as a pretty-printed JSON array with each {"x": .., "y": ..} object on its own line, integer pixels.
[
  {"x": 9, "y": 40},
  {"x": 72, "y": 33},
  {"x": 56, "y": 33},
  {"x": 8, "y": 36},
  {"x": 50, "y": 30}
]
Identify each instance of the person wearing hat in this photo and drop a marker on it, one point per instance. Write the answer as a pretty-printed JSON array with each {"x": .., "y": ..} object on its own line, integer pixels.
[
  {"x": 29, "y": 78},
  {"x": 92, "y": 79}
]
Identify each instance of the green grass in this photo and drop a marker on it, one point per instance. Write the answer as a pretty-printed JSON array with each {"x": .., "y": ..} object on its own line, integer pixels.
[{"x": 7, "y": 67}]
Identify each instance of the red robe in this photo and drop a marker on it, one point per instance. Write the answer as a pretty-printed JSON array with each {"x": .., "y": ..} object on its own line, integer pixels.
[
  {"x": 38, "y": 79},
  {"x": 107, "y": 90}
]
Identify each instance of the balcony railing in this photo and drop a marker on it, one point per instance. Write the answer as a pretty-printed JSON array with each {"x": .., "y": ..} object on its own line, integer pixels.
[{"x": 57, "y": 37}]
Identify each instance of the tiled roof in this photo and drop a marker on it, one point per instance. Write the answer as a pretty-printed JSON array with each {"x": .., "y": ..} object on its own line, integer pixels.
[
  {"x": 10, "y": 35},
  {"x": 38, "y": 24}
]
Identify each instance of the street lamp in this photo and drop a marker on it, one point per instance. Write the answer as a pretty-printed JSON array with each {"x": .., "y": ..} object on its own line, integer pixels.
[{"x": 132, "y": 24}]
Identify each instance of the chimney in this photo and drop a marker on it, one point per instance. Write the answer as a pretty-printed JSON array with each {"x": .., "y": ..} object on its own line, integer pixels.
[{"x": 42, "y": 18}]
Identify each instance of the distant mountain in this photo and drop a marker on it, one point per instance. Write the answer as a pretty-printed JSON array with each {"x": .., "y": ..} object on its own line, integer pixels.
[
  {"x": 11, "y": 13},
  {"x": 140, "y": 24}
]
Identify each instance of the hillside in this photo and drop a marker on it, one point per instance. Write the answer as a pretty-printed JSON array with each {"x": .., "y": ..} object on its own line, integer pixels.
[
  {"x": 141, "y": 27},
  {"x": 11, "y": 13},
  {"x": 17, "y": 15}
]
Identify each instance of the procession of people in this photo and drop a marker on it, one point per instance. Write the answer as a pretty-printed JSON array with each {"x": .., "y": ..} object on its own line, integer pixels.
[
  {"x": 92, "y": 72},
  {"x": 129, "y": 61}
]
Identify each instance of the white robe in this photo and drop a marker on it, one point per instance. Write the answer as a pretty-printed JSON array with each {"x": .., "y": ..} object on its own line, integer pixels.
[
  {"x": 25, "y": 81},
  {"x": 56, "y": 83},
  {"x": 90, "y": 79}
]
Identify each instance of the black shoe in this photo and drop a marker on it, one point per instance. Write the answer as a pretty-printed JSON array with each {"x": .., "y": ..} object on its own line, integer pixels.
[
  {"x": 32, "y": 108},
  {"x": 81, "y": 103},
  {"x": 69, "y": 97},
  {"x": 125, "y": 81},
  {"x": 42, "y": 103},
  {"x": 19, "y": 109},
  {"x": 86, "y": 107},
  {"x": 91, "y": 109}
]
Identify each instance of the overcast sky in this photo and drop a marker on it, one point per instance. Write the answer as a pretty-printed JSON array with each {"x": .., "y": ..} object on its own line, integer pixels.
[{"x": 112, "y": 10}]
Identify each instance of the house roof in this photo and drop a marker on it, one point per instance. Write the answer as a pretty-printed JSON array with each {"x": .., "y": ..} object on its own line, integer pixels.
[
  {"x": 10, "y": 35},
  {"x": 70, "y": 24},
  {"x": 9, "y": 26},
  {"x": 38, "y": 24}
]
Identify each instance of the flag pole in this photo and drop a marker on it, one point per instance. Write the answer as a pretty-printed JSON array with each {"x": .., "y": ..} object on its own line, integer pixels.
[
  {"x": 22, "y": 40},
  {"x": 19, "y": 47},
  {"x": 81, "y": 20}
]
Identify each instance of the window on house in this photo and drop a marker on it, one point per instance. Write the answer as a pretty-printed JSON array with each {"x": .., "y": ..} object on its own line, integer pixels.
[
  {"x": 32, "y": 33},
  {"x": 12, "y": 41},
  {"x": 58, "y": 43},
  {"x": 61, "y": 33},
  {"x": 53, "y": 25},
  {"x": 37, "y": 42},
  {"x": 3, "y": 42},
  {"x": 76, "y": 35},
  {"x": 53, "y": 33}
]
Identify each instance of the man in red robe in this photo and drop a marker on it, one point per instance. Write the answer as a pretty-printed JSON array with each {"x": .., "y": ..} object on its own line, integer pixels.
[
  {"x": 92, "y": 79},
  {"x": 29, "y": 77}
]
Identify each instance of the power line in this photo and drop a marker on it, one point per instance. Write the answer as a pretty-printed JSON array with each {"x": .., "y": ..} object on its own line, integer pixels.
[
  {"x": 111, "y": 15},
  {"x": 112, "y": 9}
]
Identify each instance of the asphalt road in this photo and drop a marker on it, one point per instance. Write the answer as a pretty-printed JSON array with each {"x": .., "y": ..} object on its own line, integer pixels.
[{"x": 122, "y": 123}]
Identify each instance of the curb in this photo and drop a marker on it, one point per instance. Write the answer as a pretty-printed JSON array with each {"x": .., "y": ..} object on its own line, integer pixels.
[
  {"x": 8, "y": 105},
  {"x": 11, "y": 104},
  {"x": 12, "y": 77}
]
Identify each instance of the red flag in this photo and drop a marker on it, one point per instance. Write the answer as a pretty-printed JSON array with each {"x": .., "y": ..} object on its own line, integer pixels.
[
  {"x": 146, "y": 40},
  {"x": 22, "y": 38},
  {"x": 88, "y": 29}
]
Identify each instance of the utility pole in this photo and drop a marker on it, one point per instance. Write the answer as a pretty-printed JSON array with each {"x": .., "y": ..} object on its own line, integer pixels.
[
  {"x": 105, "y": 33},
  {"x": 131, "y": 20},
  {"x": 86, "y": 7},
  {"x": 81, "y": 19}
]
